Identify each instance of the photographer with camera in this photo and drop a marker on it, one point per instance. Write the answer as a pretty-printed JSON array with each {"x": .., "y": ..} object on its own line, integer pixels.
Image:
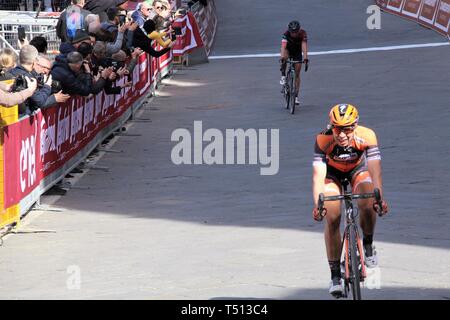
[
  {"x": 75, "y": 75},
  {"x": 43, "y": 66},
  {"x": 27, "y": 63}
]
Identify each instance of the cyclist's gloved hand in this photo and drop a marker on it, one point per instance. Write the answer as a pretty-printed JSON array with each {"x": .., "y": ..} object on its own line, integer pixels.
[
  {"x": 316, "y": 214},
  {"x": 306, "y": 61},
  {"x": 384, "y": 208}
]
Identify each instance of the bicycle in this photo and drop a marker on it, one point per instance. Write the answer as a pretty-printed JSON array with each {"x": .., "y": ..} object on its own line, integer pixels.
[
  {"x": 289, "y": 90},
  {"x": 354, "y": 267}
]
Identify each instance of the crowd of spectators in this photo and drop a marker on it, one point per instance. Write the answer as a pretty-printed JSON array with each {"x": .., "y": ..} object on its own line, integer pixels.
[{"x": 100, "y": 44}]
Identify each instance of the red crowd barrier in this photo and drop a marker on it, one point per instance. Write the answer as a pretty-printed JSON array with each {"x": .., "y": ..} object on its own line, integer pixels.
[
  {"x": 434, "y": 14},
  {"x": 190, "y": 38},
  {"x": 41, "y": 149},
  {"x": 207, "y": 20}
]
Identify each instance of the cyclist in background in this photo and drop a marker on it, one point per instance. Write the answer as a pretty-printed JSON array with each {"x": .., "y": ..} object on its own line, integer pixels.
[
  {"x": 346, "y": 150},
  {"x": 293, "y": 44}
]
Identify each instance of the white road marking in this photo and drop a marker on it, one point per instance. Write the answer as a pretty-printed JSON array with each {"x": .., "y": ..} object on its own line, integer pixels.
[{"x": 343, "y": 51}]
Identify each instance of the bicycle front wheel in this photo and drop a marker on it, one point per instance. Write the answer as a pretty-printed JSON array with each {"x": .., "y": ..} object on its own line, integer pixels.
[
  {"x": 292, "y": 92},
  {"x": 355, "y": 275},
  {"x": 287, "y": 90}
]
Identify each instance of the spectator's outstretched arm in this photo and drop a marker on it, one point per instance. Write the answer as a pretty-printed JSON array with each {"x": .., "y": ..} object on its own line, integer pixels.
[
  {"x": 112, "y": 48},
  {"x": 40, "y": 96},
  {"x": 157, "y": 54},
  {"x": 8, "y": 99}
]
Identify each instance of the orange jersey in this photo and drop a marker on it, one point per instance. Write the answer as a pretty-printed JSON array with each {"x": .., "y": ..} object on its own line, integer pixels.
[{"x": 363, "y": 147}]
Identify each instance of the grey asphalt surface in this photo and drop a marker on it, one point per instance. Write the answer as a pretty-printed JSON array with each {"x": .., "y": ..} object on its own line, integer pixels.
[{"x": 149, "y": 229}]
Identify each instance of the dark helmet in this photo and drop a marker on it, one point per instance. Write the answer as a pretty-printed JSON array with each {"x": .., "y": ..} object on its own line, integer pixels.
[{"x": 294, "y": 26}]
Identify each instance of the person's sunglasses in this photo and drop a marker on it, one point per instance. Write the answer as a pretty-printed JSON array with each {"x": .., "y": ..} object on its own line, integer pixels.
[{"x": 346, "y": 130}]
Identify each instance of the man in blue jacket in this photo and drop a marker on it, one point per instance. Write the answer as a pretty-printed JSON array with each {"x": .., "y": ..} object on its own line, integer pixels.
[{"x": 27, "y": 60}]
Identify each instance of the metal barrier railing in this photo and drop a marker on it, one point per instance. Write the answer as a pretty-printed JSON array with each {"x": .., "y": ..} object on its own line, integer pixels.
[{"x": 11, "y": 21}]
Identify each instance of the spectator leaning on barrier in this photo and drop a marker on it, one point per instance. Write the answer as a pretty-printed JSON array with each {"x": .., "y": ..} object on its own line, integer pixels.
[
  {"x": 101, "y": 6},
  {"x": 40, "y": 43},
  {"x": 75, "y": 76},
  {"x": 43, "y": 66},
  {"x": 141, "y": 40},
  {"x": 28, "y": 59},
  {"x": 71, "y": 20},
  {"x": 8, "y": 61}
]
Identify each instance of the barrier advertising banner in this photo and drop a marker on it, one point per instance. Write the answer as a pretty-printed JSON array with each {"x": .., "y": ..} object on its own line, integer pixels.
[
  {"x": 190, "y": 38},
  {"x": 411, "y": 8},
  {"x": 36, "y": 146},
  {"x": 428, "y": 12},
  {"x": 443, "y": 17}
]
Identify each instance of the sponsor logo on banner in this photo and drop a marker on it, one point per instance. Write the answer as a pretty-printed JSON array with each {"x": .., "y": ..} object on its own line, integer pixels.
[
  {"x": 428, "y": 11},
  {"x": 443, "y": 16},
  {"x": 411, "y": 8}
]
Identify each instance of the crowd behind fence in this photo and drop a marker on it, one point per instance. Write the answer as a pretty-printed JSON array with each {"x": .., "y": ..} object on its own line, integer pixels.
[{"x": 72, "y": 93}]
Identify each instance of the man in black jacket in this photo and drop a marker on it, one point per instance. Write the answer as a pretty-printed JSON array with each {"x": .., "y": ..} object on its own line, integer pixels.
[{"x": 75, "y": 75}]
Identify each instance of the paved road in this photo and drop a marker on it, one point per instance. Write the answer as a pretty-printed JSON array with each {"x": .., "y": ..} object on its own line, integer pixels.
[{"x": 149, "y": 229}]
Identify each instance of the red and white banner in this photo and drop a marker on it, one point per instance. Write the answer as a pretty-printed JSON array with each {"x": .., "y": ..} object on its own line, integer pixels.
[
  {"x": 442, "y": 21},
  {"x": 428, "y": 11},
  {"x": 411, "y": 8},
  {"x": 39, "y": 145},
  {"x": 190, "y": 38}
]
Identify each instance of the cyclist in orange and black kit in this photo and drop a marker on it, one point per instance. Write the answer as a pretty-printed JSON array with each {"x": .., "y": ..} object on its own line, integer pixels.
[
  {"x": 293, "y": 43},
  {"x": 347, "y": 150}
]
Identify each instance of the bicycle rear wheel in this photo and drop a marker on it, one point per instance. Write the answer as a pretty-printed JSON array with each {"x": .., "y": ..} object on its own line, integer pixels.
[
  {"x": 292, "y": 91},
  {"x": 355, "y": 275}
]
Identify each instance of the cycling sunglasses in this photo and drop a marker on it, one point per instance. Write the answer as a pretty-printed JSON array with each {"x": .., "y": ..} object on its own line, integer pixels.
[{"x": 346, "y": 130}]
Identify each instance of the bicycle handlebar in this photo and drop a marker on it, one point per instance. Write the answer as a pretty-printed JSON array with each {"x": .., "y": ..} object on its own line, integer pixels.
[
  {"x": 305, "y": 62},
  {"x": 376, "y": 194}
]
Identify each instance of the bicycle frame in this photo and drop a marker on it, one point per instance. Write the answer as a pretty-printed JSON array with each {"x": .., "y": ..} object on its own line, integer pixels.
[
  {"x": 350, "y": 223},
  {"x": 290, "y": 91}
]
